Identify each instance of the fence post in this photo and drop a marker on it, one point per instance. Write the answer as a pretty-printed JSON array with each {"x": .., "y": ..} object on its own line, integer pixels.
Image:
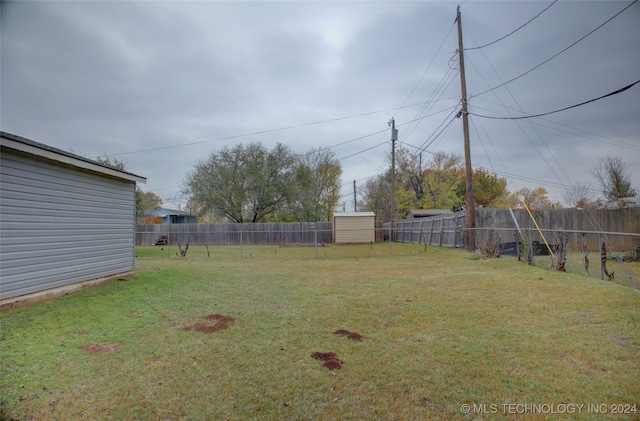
[
  {"x": 455, "y": 234},
  {"x": 315, "y": 237},
  {"x": 600, "y": 242},
  {"x": 531, "y": 259},
  {"x": 431, "y": 231}
]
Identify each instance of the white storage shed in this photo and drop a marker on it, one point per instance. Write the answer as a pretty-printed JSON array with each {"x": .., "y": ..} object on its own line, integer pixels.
[
  {"x": 66, "y": 221},
  {"x": 354, "y": 227}
]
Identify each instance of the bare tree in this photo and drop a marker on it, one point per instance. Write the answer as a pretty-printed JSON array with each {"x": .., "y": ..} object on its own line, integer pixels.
[
  {"x": 183, "y": 251},
  {"x": 579, "y": 195},
  {"x": 614, "y": 177}
]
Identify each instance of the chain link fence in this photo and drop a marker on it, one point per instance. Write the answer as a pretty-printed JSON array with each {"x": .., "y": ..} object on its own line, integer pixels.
[
  {"x": 610, "y": 256},
  {"x": 599, "y": 244},
  {"x": 602, "y": 244}
]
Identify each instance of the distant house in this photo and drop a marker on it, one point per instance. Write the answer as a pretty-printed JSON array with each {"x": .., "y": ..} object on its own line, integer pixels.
[
  {"x": 426, "y": 213},
  {"x": 67, "y": 221},
  {"x": 354, "y": 227},
  {"x": 629, "y": 202},
  {"x": 170, "y": 216}
]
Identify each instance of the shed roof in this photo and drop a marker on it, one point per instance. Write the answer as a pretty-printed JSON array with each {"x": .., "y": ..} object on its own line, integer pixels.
[
  {"x": 162, "y": 212},
  {"x": 32, "y": 147},
  {"x": 423, "y": 213},
  {"x": 353, "y": 214}
]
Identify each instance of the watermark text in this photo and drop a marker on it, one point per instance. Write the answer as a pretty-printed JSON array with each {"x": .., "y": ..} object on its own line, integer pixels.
[{"x": 548, "y": 408}]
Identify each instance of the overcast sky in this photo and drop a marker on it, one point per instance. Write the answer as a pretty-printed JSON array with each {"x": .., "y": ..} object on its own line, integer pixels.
[{"x": 163, "y": 84}]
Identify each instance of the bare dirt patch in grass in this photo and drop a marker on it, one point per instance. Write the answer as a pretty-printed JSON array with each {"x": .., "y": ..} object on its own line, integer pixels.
[
  {"x": 332, "y": 364},
  {"x": 112, "y": 347},
  {"x": 329, "y": 360},
  {"x": 222, "y": 322},
  {"x": 354, "y": 336}
]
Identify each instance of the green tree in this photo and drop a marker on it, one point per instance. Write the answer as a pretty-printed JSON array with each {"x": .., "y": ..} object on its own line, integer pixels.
[
  {"x": 242, "y": 184},
  {"x": 441, "y": 185},
  {"x": 489, "y": 190},
  {"x": 142, "y": 203},
  {"x": 410, "y": 187},
  {"x": 147, "y": 201},
  {"x": 614, "y": 177},
  {"x": 317, "y": 187},
  {"x": 376, "y": 192},
  {"x": 112, "y": 162},
  {"x": 376, "y": 196},
  {"x": 441, "y": 180},
  {"x": 534, "y": 198}
]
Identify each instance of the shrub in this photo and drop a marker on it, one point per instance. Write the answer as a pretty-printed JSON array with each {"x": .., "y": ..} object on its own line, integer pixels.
[{"x": 491, "y": 246}]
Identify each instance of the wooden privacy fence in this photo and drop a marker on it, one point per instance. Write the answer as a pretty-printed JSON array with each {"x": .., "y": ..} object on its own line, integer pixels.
[
  {"x": 285, "y": 233},
  {"x": 440, "y": 230},
  {"x": 584, "y": 226}
]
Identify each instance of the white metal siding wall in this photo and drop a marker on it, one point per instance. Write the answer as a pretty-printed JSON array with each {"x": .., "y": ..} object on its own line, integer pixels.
[
  {"x": 60, "y": 226},
  {"x": 354, "y": 229}
]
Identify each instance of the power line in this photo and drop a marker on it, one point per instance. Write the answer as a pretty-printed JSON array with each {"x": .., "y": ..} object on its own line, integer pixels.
[
  {"x": 573, "y": 130},
  {"x": 561, "y": 109},
  {"x": 558, "y": 53},
  {"x": 354, "y": 139},
  {"x": 363, "y": 151},
  {"x": 514, "y": 31},
  {"x": 427, "y": 69},
  {"x": 432, "y": 138},
  {"x": 533, "y": 144},
  {"x": 442, "y": 86},
  {"x": 386, "y": 130},
  {"x": 383, "y": 131},
  {"x": 269, "y": 130}
]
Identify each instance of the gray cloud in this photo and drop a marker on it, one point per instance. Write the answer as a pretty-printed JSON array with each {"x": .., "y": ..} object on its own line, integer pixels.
[{"x": 122, "y": 77}]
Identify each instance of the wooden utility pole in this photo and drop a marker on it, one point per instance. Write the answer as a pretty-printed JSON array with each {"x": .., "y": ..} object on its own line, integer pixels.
[
  {"x": 355, "y": 198},
  {"x": 471, "y": 223},
  {"x": 394, "y": 137}
]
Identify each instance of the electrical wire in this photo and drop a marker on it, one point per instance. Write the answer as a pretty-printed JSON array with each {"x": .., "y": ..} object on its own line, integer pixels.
[
  {"x": 561, "y": 109},
  {"x": 525, "y": 134},
  {"x": 558, "y": 53},
  {"x": 381, "y": 131},
  {"x": 442, "y": 86},
  {"x": 363, "y": 151},
  {"x": 484, "y": 148},
  {"x": 432, "y": 138},
  {"x": 428, "y": 67},
  {"x": 564, "y": 128},
  {"x": 514, "y": 31},
  {"x": 268, "y": 130},
  {"x": 364, "y": 167}
]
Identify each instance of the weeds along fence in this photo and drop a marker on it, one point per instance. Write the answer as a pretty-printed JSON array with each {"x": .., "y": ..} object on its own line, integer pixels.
[
  {"x": 603, "y": 244},
  {"x": 608, "y": 256}
]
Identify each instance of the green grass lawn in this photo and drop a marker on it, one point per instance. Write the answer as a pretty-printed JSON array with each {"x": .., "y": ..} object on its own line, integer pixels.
[{"x": 440, "y": 328}]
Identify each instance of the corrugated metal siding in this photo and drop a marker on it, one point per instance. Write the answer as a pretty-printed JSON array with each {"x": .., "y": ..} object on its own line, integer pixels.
[
  {"x": 354, "y": 229},
  {"x": 61, "y": 226}
]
